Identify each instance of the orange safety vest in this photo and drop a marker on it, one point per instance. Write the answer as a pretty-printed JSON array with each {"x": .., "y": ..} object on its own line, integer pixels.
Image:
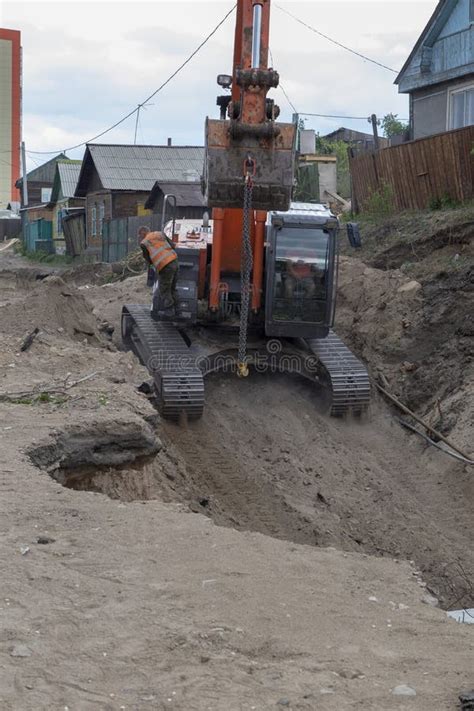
[
  {"x": 300, "y": 271},
  {"x": 161, "y": 254}
]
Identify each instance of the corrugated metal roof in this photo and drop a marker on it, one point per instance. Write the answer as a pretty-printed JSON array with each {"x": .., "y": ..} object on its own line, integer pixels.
[
  {"x": 69, "y": 172},
  {"x": 140, "y": 167},
  {"x": 188, "y": 194},
  {"x": 44, "y": 173}
]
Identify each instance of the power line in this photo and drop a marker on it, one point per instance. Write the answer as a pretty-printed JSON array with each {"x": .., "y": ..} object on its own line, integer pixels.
[
  {"x": 281, "y": 85},
  {"x": 351, "y": 118},
  {"x": 7, "y": 163},
  {"x": 288, "y": 99},
  {"x": 162, "y": 86},
  {"x": 338, "y": 44},
  {"x": 330, "y": 116}
]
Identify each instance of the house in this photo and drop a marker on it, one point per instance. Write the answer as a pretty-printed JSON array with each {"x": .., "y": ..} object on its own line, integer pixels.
[
  {"x": 62, "y": 200},
  {"x": 439, "y": 73},
  {"x": 357, "y": 139},
  {"x": 116, "y": 180},
  {"x": 316, "y": 176},
  {"x": 190, "y": 202},
  {"x": 40, "y": 182}
]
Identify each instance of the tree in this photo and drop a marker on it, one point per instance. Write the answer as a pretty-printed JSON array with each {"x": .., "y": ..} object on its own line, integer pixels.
[{"x": 392, "y": 126}]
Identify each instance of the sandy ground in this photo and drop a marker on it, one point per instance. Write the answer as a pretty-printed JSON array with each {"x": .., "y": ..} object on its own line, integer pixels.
[{"x": 263, "y": 566}]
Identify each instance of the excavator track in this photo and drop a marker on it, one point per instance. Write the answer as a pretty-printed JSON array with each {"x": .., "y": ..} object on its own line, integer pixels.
[
  {"x": 350, "y": 383},
  {"x": 179, "y": 383}
]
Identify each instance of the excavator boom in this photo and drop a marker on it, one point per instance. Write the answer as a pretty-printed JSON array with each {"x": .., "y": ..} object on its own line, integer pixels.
[{"x": 248, "y": 128}]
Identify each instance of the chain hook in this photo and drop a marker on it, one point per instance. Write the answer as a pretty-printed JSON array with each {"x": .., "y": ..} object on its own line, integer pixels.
[
  {"x": 246, "y": 267},
  {"x": 250, "y": 169}
]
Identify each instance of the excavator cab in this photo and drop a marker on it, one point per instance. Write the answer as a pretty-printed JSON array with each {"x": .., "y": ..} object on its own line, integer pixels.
[{"x": 301, "y": 272}]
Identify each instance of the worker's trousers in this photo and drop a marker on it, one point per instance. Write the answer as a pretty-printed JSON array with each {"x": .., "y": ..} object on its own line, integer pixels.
[{"x": 164, "y": 297}]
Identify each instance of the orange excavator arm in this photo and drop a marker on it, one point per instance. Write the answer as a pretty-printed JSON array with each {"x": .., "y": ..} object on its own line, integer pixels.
[
  {"x": 246, "y": 138},
  {"x": 247, "y": 129}
]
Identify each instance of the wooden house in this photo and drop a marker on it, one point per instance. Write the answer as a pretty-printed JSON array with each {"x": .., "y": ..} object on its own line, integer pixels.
[
  {"x": 40, "y": 182},
  {"x": 439, "y": 73},
  {"x": 62, "y": 200},
  {"x": 116, "y": 181},
  {"x": 190, "y": 202}
]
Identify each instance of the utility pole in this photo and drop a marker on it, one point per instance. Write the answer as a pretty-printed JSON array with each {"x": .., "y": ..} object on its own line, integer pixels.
[
  {"x": 25, "y": 179},
  {"x": 373, "y": 119},
  {"x": 296, "y": 120}
]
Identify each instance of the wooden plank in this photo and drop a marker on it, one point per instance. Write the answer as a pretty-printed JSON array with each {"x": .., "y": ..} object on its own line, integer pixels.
[{"x": 418, "y": 171}]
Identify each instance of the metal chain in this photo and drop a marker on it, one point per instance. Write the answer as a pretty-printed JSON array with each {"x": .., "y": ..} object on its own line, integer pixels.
[{"x": 245, "y": 272}]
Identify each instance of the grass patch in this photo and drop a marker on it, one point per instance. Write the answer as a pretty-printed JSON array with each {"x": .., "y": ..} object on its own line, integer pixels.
[
  {"x": 42, "y": 257},
  {"x": 40, "y": 399}
]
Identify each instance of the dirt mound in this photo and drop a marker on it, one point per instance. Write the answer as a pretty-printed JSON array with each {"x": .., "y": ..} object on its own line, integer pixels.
[
  {"x": 102, "y": 443},
  {"x": 82, "y": 274},
  {"x": 54, "y": 307},
  {"x": 419, "y": 335},
  {"x": 421, "y": 244}
]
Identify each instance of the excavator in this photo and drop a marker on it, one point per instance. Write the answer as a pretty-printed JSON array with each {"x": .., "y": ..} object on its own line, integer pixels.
[{"x": 258, "y": 291}]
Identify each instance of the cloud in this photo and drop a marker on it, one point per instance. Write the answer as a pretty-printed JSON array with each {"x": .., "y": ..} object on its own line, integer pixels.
[{"x": 86, "y": 65}]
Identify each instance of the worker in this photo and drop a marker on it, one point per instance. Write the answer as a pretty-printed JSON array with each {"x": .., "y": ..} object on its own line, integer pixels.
[
  {"x": 159, "y": 253},
  {"x": 300, "y": 274}
]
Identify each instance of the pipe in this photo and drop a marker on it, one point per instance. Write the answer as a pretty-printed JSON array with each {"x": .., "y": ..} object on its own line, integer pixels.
[
  {"x": 429, "y": 429},
  {"x": 259, "y": 246},
  {"x": 257, "y": 36},
  {"x": 217, "y": 238},
  {"x": 459, "y": 457}
]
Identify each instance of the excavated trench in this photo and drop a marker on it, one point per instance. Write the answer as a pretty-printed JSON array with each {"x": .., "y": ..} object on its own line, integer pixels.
[{"x": 265, "y": 459}]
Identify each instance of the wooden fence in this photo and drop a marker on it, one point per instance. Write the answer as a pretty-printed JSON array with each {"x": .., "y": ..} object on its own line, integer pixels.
[{"x": 417, "y": 173}]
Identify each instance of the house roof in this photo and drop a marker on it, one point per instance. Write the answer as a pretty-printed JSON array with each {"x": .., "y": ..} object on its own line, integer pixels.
[
  {"x": 65, "y": 179},
  {"x": 431, "y": 32},
  {"x": 44, "y": 173},
  {"x": 188, "y": 194},
  {"x": 351, "y": 136},
  {"x": 122, "y": 167}
]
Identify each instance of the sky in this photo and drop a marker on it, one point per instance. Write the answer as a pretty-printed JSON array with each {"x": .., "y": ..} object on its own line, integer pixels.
[{"x": 87, "y": 64}]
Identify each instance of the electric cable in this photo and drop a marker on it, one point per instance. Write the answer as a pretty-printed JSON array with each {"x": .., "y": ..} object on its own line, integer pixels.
[
  {"x": 280, "y": 85},
  {"x": 137, "y": 108},
  {"x": 338, "y": 44}
]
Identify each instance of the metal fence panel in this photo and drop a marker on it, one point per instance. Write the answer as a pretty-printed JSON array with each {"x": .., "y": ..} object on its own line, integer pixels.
[{"x": 120, "y": 235}]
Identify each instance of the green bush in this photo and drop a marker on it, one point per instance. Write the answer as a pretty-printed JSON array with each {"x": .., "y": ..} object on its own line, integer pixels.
[
  {"x": 443, "y": 203},
  {"x": 380, "y": 203}
]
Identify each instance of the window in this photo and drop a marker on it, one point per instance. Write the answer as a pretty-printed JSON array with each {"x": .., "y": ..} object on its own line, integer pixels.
[
  {"x": 462, "y": 108},
  {"x": 301, "y": 275},
  {"x": 59, "y": 222},
  {"x": 101, "y": 217},
  {"x": 46, "y": 194},
  {"x": 471, "y": 12},
  {"x": 94, "y": 221}
]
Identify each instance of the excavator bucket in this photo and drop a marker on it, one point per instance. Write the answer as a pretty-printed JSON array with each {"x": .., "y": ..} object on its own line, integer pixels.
[{"x": 271, "y": 146}]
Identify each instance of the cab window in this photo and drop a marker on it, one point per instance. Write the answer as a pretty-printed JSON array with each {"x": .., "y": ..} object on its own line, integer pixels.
[{"x": 301, "y": 275}]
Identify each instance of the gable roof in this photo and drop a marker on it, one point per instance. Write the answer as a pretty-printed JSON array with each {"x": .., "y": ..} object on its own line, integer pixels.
[
  {"x": 431, "y": 32},
  {"x": 138, "y": 168},
  {"x": 65, "y": 179},
  {"x": 188, "y": 194},
  {"x": 44, "y": 173}
]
